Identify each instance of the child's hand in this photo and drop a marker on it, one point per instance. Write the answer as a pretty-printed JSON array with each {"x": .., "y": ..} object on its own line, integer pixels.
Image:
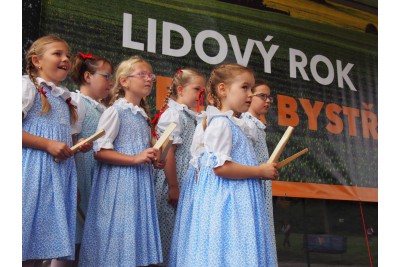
[
  {"x": 269, "y": 171},
  {"x": 59, "y": 150},
  {"x": 173, "y": 195},
  {"x": 146, "y": 156},
  {"x": 159, "y": 164},
  {"x": 86, "y": 147}
]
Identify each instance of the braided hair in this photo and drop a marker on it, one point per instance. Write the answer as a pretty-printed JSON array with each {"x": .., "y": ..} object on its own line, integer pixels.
[
  {"x": 38, "y": 48},
  {"x": 223, "y": 73}
]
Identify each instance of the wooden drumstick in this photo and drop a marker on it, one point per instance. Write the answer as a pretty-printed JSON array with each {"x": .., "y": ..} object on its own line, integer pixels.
[
  {"x": 281, "y": 145},
  {"x": 291, "y": 158}
]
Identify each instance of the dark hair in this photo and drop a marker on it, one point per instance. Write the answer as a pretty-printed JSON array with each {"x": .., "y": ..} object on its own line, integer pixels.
[{"x": 83, "y": 63}]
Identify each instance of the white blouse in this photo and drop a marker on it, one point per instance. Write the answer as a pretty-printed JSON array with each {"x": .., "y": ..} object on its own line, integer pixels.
[
  {"x": 218, "y": 134},
  {"x": 78, "y": 97},
  {"x": 29, "y": 91},
  {"x": 172, "y": 114},
  {"x": 109, "y": 121}
]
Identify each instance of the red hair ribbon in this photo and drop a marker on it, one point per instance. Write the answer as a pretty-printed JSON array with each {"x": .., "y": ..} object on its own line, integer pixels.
[
  {"x": 42, "y": 91},
  {"x": 200, "y": 99},
  {"x": 68, "y": 100},
  {"x": 85, "y": 56},
  {"x": 154, "y": 124},
  {"x": 179, "y": 71}
]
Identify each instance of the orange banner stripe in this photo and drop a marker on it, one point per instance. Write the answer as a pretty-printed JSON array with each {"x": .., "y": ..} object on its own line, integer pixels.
[{"x": 324, "y": 191}]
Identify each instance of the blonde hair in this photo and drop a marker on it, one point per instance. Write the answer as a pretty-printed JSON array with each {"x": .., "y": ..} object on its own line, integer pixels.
[
  {"x": 223, "y": 73},
  {"x": 124, "y": 69},
  {"x": 38, "y": 48},
  {"x": 182, "y": 77}
]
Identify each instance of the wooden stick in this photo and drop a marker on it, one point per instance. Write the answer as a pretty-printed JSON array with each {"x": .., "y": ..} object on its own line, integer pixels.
[
  {"x": 291, "y": 158},
  {"x": 164, "y": 149},
  {"x": 281, "y": 145},
  {"x": 91, "y": 138},
  {"x": 164, "y": 137}
]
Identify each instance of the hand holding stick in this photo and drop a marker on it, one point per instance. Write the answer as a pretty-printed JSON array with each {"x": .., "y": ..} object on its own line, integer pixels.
[{"x": 92, "y": 138}]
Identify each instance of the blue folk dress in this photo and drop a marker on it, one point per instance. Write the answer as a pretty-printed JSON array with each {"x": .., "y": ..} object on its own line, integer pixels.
[
  {"x": 121, "y": 227},
  {"x": 260, "y": 146},
  {"x": 229, "y": 223},
  {"x": 185, "y": 205},
  {"x": 185, "y": 120},
  {"x": 48, "y": 188},
  {"x": 89, "y": 116}
]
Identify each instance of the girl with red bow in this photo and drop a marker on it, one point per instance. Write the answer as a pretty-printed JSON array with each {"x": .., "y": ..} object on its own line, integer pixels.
[{"x": 181, "y": 107}]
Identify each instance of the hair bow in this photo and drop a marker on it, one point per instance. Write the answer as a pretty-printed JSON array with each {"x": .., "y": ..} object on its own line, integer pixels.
[
  {"x": 200, "y": 99},
  {"x": 179, "y": 71},
  {"x": 154, "y": 123},
  {"x": 68, "y": 101},
  {"x": 85, "y": 56},
  {"x": 42, "y": 91}
]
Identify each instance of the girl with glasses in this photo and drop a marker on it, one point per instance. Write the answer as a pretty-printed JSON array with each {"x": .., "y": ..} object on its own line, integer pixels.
[
  {"x": 121, "y": 227},
  {"x": 260, "y": 105},
  {"x": 92, "y": 74}
]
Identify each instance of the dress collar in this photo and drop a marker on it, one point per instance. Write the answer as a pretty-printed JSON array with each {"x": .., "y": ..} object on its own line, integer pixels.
[
  {"x": 174, "y": 105},
  {"x": 124, "y": 104},
  {"x": 56, "y": 91},
  {"x": 212, "y": 112},
  {"x": 256, "y": 121},
  {"x": 100, "y": 107}
]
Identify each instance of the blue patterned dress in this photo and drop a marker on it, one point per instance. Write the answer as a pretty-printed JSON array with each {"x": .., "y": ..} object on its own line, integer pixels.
[
  {"x": 229, "y": 223},
  {"x": 85, "y": 162},
  {"x": 121, "y": 227},
  {"x": 48, "y": 188},
  {"x": 185, "y": 204},
  {"x": 186, "y": 124},
  {"x": 260, "y": 146}
]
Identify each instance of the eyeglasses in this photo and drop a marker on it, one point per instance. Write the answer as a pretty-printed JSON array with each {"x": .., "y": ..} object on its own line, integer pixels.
[
  {"x": 108, "y": 76},
  {"x": 264, "y": 97},
  {"x": 144, "y": 75}
]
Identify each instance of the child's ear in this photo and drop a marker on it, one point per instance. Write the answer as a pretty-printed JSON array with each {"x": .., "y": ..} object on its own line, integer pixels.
[
  {"x": 36, "y": 61},
  {"x": 123, "y": 81},
  {"x": 179, "y": 90},
  {"x": 221, "y": 89},
  {"x": 86, "y": 76}
]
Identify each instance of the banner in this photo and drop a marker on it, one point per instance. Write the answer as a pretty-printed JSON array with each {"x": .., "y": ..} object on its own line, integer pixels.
[{"x": 319, "y": 58}]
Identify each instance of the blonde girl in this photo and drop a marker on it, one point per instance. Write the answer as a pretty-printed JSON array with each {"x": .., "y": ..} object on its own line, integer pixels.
[
  {"x": 229, "y": 226},
  {"x": 187, "y": 88},
  {"x": 48, "y": 187},
  {"x": 121, "y": 227}
]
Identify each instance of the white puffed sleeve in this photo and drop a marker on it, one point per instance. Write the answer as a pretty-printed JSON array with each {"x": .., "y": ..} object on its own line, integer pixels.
[
  {"x": 81, "y": 110},
  {"x": 28, "y": 94},
  {"x": 109, "y": 121},
  {"x": 197, "y": 145},
  {"x": 218, "y": 140},
  {"x": 171, "y": 115}
]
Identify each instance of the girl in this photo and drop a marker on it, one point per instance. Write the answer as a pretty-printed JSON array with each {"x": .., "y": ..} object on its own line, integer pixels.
[
  {"x": 121, "y": 227},
  {"x": 186, "y": 88},
  {"x": 48, "y": 188},
  {"x": 185, "y": 204},
  {"x": 93, "y": 75},
  {"x": 260, "y": 104},
  {"x": 229, "y": 226}
]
